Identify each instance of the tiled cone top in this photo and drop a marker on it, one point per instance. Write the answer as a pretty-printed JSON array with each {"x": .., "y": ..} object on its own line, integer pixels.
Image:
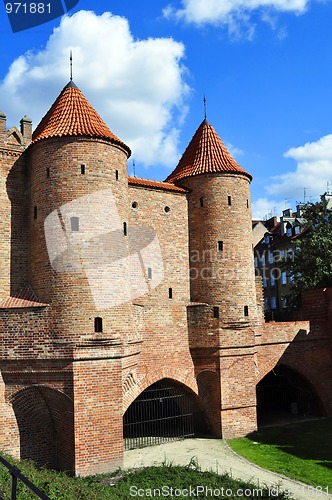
[
  {"x": 206, "y": 153},
  {"x": 72, "y": 115}
]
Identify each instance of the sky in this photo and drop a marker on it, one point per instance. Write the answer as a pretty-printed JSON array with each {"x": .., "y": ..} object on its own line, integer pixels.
[{"x": 265, "y": 67}]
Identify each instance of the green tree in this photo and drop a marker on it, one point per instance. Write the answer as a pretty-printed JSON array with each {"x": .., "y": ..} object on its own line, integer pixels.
[{"x": 310, "y": 265}]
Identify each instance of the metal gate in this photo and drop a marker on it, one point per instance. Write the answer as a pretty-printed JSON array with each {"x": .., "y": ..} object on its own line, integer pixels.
[
  {"x": 163, "y": 412},
  {"x": 284, "y": 396}
]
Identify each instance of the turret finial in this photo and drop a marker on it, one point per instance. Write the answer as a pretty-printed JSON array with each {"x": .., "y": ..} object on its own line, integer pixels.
[
  {"x": 204, "y": 107},
  {"x": 71, "y": 65}
]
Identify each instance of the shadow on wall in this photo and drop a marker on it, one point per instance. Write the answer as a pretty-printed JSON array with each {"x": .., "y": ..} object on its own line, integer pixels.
[
  {"x": 284, "y": 395},
  {"x": 46, "y": 425}
]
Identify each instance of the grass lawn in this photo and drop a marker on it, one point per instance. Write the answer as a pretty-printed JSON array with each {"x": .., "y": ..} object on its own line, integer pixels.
[
  {"x": 300, "y": 451},
  {"x": 174, "y": 482}
]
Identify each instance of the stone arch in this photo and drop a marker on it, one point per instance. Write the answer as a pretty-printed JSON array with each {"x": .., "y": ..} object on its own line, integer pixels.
[
  {"x": 185, "y": 378},
  {"x": 45, "y": 421},
  {"x": 284, "y": 395}
]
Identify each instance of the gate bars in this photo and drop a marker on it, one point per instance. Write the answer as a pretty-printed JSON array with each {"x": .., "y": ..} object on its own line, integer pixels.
[{"x": 159, "y": 414}]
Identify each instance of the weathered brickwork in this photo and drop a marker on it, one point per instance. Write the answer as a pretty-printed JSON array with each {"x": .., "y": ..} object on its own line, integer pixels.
[{"x": 77, "y": 347}]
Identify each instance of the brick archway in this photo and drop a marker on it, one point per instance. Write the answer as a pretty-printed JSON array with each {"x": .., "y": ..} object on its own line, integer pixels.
[
  {"x": 166, "y": 410},
  {"x": 45, "y": 421},
  {"x": 285, "y": 395},
  {"x": 185, "y": 378}
]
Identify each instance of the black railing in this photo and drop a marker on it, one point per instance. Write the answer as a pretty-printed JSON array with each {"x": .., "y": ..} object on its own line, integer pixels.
[{"x": 17, "y": 474}]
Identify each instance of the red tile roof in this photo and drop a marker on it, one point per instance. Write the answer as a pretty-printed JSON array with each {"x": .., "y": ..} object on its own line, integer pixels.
[
  {"x": 134, "y": 181},
  {"x": 206, "y": 153},
  {"x": 72, "y": 115},
  {"x": 23, "y": 298}
]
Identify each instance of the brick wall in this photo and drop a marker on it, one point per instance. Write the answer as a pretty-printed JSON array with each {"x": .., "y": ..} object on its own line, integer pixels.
[
  {"x": 13, "y": 204},
  {"x": 165, "y": 349}
]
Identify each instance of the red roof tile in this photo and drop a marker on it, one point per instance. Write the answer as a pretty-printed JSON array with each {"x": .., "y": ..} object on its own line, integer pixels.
[
  {"x": 206, "y": 153},
  {"x": 23, "y": 298},
  {"x": 167, "y": 186},
  {"x": 72, "y": 115}
]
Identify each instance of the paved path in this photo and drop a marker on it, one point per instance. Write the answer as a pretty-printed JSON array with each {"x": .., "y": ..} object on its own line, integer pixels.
[{"x": 215, "y": 455}]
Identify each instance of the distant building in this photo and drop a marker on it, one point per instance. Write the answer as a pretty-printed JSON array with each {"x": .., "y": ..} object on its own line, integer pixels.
[{"x": 277, "y": 244}]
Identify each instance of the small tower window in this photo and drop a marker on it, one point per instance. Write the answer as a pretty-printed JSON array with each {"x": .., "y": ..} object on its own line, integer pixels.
[
  {"x": 98, "y": 325},
  {"x": 74, "y": 224},
  {"x": 134, "y": 204},
  {"x": 47, "y": 172},
  {"x": 170, "y": 293},
  {"x": 35, "y": 212},
  {"x": 247, "y": 203},
  {"x": 125, "y": 228},
  {"x": 149, "y": 273},
  {"x": 229, "y": 200},
  {"x": 216, "y": 312},
  {"x": 117, "y": 175},
  {"x": 201, "y": 201},
  {"x": 82, "y": 169},
  {"x": 246, "y": 310},
  {"x": 167, "y": 209},
  {"x": 220, "y": 246}
]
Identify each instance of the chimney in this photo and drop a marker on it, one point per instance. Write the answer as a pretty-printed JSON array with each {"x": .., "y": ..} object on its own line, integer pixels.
[
  {"x": 26, "y": 128},
  {"x": 2, "y": 123}
]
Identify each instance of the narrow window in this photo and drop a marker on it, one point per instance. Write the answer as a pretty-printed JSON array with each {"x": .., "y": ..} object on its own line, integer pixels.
[
  {"x": 47, "y": 172},
  {"x": 247, "y": 203},
  {"x": 117, "y": 175},
  {"x": 125, "y": 228},
  {"x": 229, "y": 200},
  {"x": 98, "y": 325},
  {"x": 167, "y": 209},
  {"x": 35, "y": 212},
  {"x": 82, "y": 169},
  {"x": 220, "y": 246},
  {"x": 170, "y": 293},
  {"x": 134, "y": 204},
  {"x": 216, "y": 312},
  {"x": 246, "y": 310},
  {"x": 201, "y": 201},
  {"x": 149, "y": 273},
  {"x": 74, "y": 224}
]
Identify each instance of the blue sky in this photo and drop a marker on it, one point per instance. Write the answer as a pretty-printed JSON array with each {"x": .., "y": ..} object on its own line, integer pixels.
[{"x": 265, "y": 67}]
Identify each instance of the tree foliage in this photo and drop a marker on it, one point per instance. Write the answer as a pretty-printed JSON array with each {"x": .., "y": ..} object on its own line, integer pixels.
[{"x": 310, "y": 265}]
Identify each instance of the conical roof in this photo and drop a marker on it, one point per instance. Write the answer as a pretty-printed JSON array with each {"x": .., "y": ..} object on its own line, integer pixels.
[
  {"x": 206, "y": 153},
  {"x": 72, "y": 115}
]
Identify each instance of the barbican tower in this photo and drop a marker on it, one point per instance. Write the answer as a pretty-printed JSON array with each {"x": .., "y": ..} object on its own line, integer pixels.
[{"x": 223, "y": 310}]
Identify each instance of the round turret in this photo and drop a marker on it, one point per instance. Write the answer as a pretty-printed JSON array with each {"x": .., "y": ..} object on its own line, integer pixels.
[
  {"x": 220, "y": 229},
  {"x": 78, "y": 218}
]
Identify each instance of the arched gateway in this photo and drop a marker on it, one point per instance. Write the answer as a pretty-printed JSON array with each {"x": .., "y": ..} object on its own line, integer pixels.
[
  {"x": 284, "y": 395},
  {"x": 165, "y": 411}
]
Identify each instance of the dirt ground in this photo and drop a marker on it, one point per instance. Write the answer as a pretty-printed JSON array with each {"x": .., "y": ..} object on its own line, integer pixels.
[{"x": 215, "y": 455}]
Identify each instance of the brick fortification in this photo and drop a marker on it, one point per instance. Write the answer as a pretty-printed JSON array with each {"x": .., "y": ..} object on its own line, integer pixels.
[{"x": 143, "y": 282}]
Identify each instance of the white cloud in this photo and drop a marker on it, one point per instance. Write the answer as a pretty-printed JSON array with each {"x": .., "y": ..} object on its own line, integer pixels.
[
  {"x": 234, "y": 151},
  {"x": 232, "y": 13},
  {"x": 137, "y": 86},
  {"x": 313, "y": 171},
  {"x": 265, "y": 208}
]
